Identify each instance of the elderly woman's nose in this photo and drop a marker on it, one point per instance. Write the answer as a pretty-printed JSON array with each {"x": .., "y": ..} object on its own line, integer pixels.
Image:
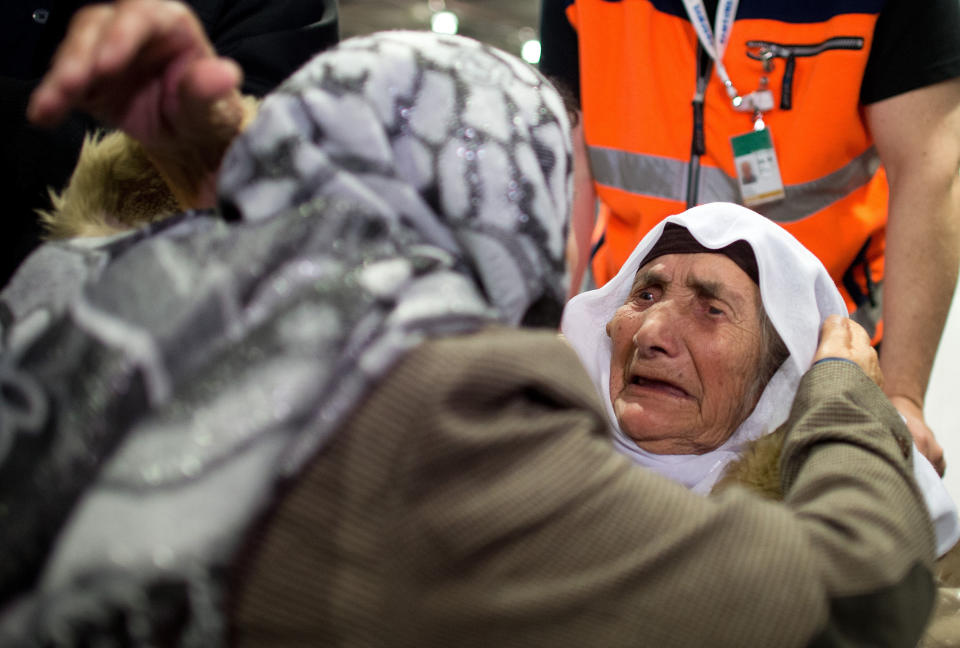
[{"x": 658, "y": 330}]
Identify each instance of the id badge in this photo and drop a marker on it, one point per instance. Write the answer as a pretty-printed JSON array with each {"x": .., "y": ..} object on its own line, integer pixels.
[{"x": 758, "y": 173}]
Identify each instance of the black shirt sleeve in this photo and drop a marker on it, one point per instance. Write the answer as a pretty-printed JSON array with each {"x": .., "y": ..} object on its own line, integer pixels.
[
  {"x": 916, "y": 44},
  {"x": 559, "y": 49},
  {"x": 270, "y": 39}
]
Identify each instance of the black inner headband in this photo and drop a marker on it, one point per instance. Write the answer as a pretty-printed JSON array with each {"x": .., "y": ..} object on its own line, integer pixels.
[{"x": 676, "y": 239}]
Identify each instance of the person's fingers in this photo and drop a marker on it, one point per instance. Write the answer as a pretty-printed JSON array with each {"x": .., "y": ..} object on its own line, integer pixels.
[
  {"x": 923, "y": 436},
  {"x": 139, "y": 26},
  {"x": 937, "y": 459},
  {"x": 841, "y": 337},
  {"x": 106, "y": 41},
  {"x": 836, "y": 324},
  {"x": 211, "y": 79},
  {"x": 834, "y": 338},
  {"x": 930, "y": 448},
  {"x": 71, "y": 68},
  {"x": 82, "y": 40},
  {"x": 210, "y": 110},
  {"x": 46, "y": 106},
  {"x": 123, "y": 38}
]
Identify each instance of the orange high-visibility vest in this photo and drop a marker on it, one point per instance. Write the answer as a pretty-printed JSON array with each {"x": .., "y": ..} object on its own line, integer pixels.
[{"x": 638, "y": 62}]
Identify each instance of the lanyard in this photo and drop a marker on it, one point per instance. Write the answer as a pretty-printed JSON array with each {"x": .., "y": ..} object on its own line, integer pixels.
[{"x": 714, "y": 40}]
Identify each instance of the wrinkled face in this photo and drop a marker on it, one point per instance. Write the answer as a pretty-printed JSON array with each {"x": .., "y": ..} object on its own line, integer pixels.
[{"x": 686, "y": 353}]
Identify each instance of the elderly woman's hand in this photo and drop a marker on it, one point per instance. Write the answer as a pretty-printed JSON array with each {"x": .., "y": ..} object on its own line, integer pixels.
[
  {"x": 841, "y": 337},
  {"x": 148, "y": 68}
]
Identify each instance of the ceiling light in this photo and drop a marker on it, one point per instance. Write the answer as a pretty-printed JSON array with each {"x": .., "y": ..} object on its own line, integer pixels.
[
  {"x": 444, "y": 22},
  {"x": 530, "y": 52}
]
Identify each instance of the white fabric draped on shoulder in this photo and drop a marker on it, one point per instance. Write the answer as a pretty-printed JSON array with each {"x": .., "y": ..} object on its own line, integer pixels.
[{"x": 798, "y": 295}]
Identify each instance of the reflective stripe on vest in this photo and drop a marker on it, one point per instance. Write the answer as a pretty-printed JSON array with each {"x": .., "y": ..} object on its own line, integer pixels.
[
  {"x": 639, "y": 124},
  {"x": 660, "y": 177}
]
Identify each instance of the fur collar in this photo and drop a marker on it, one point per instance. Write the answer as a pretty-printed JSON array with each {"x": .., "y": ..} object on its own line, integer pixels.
[{"x": 114, "y": 188}]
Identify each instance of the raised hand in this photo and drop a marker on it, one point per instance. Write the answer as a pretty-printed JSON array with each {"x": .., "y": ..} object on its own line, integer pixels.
[
  {"x": 148, "y": 68},
  {"x": 841, "y": 337}
]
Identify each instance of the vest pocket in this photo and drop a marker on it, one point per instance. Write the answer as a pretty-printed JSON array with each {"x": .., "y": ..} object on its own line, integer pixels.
[{"x": 760, "y": 50}]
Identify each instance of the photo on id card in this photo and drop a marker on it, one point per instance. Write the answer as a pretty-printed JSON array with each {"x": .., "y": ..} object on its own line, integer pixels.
[{"x": 758, "y": 173}]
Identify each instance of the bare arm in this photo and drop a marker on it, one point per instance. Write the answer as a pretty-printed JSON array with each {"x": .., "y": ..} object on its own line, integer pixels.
[
  {"x": 918, "y": 137},
  {"x": 147, "y": 67}
]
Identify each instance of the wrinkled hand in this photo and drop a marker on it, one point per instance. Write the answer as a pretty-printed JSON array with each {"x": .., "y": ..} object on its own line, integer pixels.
[
  {"x": 922, "y": 434},
  {"x": 148, "y": 68},
  {"x": 841, "y": 337}
]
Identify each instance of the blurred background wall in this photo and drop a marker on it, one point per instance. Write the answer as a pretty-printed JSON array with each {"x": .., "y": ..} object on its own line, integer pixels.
[
  {"x": 510, "y": 25},
  {"x": 943, "y": 398}
]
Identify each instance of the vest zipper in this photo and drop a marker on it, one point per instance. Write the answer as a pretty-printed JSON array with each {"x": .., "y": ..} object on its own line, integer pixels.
[{"x": 791, "y": 52}]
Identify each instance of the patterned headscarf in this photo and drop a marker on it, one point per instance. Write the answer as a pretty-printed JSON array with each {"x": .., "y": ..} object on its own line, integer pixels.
[
  {"x": 445, "y": 135},
  {"x": 399, "y": 187}
]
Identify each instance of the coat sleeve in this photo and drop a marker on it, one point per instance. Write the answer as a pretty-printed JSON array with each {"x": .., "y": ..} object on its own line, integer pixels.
[
  {"x": 527, "y": 521},
  {"x": 476, "y": 500}
]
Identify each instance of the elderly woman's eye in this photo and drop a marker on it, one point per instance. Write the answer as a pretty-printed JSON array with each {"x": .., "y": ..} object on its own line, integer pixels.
[
  {"x": 715, "y": 310},
  {"x": 644, "y": 296}
]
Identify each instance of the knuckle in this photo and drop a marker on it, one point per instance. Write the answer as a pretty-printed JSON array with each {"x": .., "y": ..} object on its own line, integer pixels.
[
  {"x": 90, "y": 13},
  {"x": 833, "y": 321}
]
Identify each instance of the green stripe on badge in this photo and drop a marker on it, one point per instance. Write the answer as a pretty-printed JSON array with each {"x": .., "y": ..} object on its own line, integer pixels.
[{"x": 751, "y": 142}]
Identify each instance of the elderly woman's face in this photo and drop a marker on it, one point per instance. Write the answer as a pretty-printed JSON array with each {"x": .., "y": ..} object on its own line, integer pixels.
[{"x": 686, "y": 352}]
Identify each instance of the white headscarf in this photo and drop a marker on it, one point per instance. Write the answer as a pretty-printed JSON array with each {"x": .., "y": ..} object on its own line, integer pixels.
[{"x": 798, "y": 295}]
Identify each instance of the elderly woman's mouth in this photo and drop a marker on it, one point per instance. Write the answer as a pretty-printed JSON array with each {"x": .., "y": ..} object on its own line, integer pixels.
[{"x": 661, "y": 386}]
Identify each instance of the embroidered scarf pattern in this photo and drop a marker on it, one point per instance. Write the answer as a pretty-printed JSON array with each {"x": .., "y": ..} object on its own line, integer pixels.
[{"x": 399, "y": 187}]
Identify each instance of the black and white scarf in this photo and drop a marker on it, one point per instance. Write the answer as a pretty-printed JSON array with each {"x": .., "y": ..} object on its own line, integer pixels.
[{"x": 400, "y": 187}]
